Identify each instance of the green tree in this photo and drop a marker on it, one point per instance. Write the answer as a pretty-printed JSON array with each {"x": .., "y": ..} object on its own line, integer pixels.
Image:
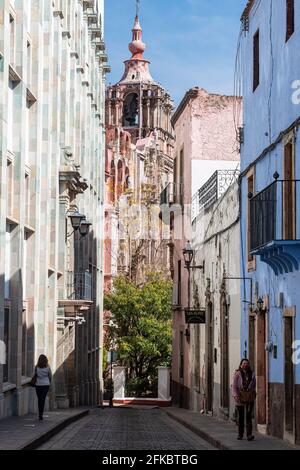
[{"x": 141, "y": 330}]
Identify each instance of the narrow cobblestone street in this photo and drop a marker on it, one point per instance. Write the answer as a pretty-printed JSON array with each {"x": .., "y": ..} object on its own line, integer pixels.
[{"x": 126, "y": 429}]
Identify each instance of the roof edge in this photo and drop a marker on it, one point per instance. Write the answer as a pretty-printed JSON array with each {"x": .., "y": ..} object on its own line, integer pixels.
[
  {"x": 190, "y": 95},
  {"x": 247, "y": 10}
]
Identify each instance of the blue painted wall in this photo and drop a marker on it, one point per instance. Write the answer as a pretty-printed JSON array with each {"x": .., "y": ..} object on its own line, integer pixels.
[{"x": 267, "y": 112}]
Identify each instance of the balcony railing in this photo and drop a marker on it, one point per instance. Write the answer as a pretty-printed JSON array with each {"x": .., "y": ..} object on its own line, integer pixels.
[
  {"x": 263, "y": 216},
  {"x": 212, "y": 190},
  {"x": 79, "y": 286},
  {"x": 172, "y": 194},
  {"x": 274, "y": 225}
]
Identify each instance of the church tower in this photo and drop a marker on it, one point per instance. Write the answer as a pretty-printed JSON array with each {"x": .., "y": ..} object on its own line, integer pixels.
[
  {"x": 140, "y": 105},
  {"x": 139, "y": 165}
]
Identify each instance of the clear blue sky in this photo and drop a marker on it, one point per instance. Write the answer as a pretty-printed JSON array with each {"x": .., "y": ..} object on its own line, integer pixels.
[{"x": 189, "y": 42}]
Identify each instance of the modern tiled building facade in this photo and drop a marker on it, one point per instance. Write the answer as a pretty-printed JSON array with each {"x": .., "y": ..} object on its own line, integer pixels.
[{"x": 52, "y": 74}]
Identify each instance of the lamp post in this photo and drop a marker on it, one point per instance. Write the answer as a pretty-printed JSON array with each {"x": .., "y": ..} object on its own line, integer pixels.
[
  {"x": 84, "y": 228},
  {"x": 76, "y": 219},
  {"x": 79, "y": 222},
  {"x": 261, "y": 309},
  {"x": 189, "y": 255}
]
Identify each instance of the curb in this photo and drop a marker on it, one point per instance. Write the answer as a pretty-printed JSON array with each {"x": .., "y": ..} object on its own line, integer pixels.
[
  {"x": 204, "y": 435},
  {"x": 35, "y": 443}
]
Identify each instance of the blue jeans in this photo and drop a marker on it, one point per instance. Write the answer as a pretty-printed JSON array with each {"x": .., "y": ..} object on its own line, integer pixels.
[{"x": 41, "y": 391}]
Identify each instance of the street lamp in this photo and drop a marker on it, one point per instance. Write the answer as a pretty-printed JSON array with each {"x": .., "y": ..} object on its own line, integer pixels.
[
  {"x": 79, "y": 222},
  {"x": 76, "y": 219},
  {"x": 189, "y": 255},
  {"x": 260, "y": 305},
  {"x": 84, "y": 227}
]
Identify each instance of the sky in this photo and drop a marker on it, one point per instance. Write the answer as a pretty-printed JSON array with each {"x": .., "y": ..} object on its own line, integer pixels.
[{"x": 189, "y": 42}]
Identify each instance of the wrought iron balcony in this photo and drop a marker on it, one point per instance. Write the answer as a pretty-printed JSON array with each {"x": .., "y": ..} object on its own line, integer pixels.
[
  {"x": 79, "y": 286},
  {"x": 275, "y": 227},
  {"x": 172, "y": 194},
  {"x": 212, "y": 190}
]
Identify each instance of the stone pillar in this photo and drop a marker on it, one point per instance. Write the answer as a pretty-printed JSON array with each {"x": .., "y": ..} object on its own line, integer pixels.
[
  {"x": 164, "y": 383},
  {"x": 119, "y": 383}
]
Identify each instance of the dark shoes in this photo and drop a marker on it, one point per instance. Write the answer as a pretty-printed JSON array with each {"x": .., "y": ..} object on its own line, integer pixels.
[
  {"x": 249, "y": 438},
  {"x": 41, "y": 418}
]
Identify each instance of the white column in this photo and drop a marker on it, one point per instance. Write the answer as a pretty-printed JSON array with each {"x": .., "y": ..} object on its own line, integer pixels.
[
  {"x": 164, "y": 383},
  {"x": 119, "y": 383}
]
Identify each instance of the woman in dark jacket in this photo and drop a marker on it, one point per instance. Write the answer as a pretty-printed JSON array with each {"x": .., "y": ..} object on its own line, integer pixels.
[{"x": 244, "y": 393}]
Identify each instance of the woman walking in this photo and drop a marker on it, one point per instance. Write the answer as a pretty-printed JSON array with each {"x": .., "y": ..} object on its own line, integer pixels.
[
  {"x": 43, "y": 378},
  {"x": 244, "y": 394}
]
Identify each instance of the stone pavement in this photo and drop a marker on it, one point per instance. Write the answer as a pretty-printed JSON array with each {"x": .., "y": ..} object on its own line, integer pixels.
[
  {"x": 123, "y": 428},
  {"x": 223, "y": 435},
  {"x": 27, "y": 432}
]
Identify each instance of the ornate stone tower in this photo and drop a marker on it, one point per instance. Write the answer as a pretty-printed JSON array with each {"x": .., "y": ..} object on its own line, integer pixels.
[
  {"x": 139, "y": 165},
  {"x": 138, "y": 104}
]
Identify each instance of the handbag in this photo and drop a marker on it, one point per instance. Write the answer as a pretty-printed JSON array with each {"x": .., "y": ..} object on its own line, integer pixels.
[
  {"x": 247, "y": 396},
  {"x": 34, "y": 379}
]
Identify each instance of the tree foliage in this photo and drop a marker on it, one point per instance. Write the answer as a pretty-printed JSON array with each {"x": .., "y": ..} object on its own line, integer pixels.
[{"x": 141, "y": 330}]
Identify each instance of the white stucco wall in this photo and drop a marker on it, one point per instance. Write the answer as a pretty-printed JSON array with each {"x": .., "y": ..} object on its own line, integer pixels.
[{"x": 217, "y": 246}]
